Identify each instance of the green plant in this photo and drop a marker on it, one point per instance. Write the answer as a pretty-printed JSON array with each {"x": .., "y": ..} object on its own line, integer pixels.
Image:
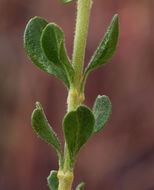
[{"x": 44, "y": 43}]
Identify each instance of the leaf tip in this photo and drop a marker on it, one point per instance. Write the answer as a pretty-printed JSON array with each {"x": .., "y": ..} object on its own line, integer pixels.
[
  {"x": 36, "y": 113},
  {"x": 53, "y": 180},
  {"x": 80, "y": 186},
  {"x": 38, "y": 106},
  {"x": 66, "y": 1},
  {"x": 116, "y": 19},
  {"x": 52, "y": 172},
  {"x": 116, "y": 16}
]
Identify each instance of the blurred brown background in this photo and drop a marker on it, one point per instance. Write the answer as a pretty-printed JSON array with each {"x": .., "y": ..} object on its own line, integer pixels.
[{"x": 121, "y": 157}]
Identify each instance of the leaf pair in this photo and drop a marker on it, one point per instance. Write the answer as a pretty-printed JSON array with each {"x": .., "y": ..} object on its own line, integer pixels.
[
  {"x": 105, "y": 50},
  {"x": 80, "y": 124},
  {"x": 44, "y": 44}
]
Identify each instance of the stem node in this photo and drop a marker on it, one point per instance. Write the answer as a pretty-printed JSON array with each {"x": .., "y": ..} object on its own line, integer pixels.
[{"x": 65, "y": 180}]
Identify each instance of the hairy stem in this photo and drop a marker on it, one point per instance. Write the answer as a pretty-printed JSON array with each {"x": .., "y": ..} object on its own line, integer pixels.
[{"x": 83, "y": 13}]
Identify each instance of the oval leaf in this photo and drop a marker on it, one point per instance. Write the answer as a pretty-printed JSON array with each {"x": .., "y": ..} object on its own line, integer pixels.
[
  {"x": 80, "y": 186},
  {"x": 52, "y": 42},
  {"x": 33, "y": 48},
  {"x": 102, "y": 112},
  {"x": 53, "y": 181},
  {"x": 78, "y": 126},
  {"x": 107, "y": 47},
  {"x": 43, "y": 129}
]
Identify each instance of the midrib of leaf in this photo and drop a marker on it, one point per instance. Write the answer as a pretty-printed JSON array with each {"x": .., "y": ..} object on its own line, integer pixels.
[
  {"x": 58, "y": 43},
  {"x": 78, "y": 132}
]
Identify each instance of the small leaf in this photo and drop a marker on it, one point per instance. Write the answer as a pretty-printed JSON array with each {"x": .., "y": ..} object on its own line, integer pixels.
[
  {"x": 102, "y": 112},
  {"x": 33, "y": 48},
  {"x": 105, "y": 50},
  {"x": 107, "y": 47},
  {"x": 66, "y": 1},
  {"x": 78, "y": 126},
  {"x": 44, "y": 131},
  {"x": 80, "y": 186},
  {"x": 52, "y": 41},
  {"x": 53, "y": 181}
]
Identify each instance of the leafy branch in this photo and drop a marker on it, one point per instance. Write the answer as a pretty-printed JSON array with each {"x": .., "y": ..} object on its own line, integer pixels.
[{"x": 44, "y": 43}]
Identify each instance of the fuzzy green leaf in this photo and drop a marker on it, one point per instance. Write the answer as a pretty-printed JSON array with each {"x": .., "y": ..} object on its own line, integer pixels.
[
  {"x": 80, "y": 186},
  {"x": 33, "y": 48},
  {"x": 52, "y": 180},
  {"x": 102, "y": 112},
  {"x": 52, "y": 42},
  {"x": 44, "y": 130},
  {"x": 107, "y": 47},
  {"x": 66, "y": 1},
  {"x": 78, "y": 126}
]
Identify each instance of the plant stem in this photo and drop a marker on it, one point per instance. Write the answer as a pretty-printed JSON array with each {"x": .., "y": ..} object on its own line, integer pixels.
[
  {"x": 74, "y": 97},
  {"x": 83, "y": 13}
]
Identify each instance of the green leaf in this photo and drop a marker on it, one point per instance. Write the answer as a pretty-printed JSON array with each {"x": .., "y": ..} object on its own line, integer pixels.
[
  {"x": 44, "y": 131},
  {"x": 80, "y": 186},
  {"x": 102, "y": 112},
  {"x": 52, "y": 42},
  {"x": 105, "y": 50},
  {"x": 66, "y": 1},
  {"x": 53, "y": 181},
  {"x": 33, "y": 48},
  {"x": 78, "y": 126},
  {"x": 107, "y": 47}
]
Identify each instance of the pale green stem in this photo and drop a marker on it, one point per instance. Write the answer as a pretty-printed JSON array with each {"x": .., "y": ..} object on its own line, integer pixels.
[
  {"x": 74, "y": 97},
  {"x": 83, "y": 13}
]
